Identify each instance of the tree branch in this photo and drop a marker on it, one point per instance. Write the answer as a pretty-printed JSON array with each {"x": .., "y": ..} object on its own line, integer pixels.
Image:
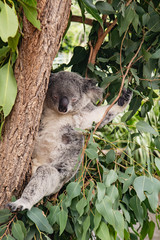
[
  {"x": 101, "y": 37},
  {"x": 79, "y": 19}
]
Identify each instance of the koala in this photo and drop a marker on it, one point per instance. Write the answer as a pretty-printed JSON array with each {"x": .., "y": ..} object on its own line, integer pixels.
[{"x": 69, "y": 104}]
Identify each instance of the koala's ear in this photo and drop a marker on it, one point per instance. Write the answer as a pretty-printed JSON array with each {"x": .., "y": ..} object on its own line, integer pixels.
[
  {"x": 91, "y": 90},
  {"x": 51, "y": 79}
]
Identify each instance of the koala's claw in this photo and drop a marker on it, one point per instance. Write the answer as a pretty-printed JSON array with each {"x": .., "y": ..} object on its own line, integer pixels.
[
  {"x": 14, "y": 207},
  {"x": 125, "y": 98},
  {"x": 19, "y": 205}
]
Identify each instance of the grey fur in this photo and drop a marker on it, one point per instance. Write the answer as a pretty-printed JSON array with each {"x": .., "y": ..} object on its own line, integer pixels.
[{"x": 69, "y": 104}]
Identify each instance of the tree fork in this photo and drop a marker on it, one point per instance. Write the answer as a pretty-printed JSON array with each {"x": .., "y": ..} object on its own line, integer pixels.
[{"x": 32, "y": 70}]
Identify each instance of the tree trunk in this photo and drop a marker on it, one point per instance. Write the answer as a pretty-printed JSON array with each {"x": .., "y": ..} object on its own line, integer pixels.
[{"x": 32, "y": 70}]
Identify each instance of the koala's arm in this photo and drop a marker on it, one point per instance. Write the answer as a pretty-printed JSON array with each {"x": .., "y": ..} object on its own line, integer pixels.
[{"x": 98, "y": 112}]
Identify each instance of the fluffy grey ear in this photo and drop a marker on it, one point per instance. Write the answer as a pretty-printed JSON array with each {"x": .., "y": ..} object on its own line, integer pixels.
[{"x": 92, "y": 91}]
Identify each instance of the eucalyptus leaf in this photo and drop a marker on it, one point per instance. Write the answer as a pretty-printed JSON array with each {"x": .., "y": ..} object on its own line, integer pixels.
[
  {"x": 157, "y": 162},
  {"x": 145, "y": 127},
  {"x": 8, "y": 21},
  {"x": 73, "y": 190},
  {"x": 143, "y": 184},
  {"x": 127, "y": 20},
  {"x": 8, "y": 88},
  {"x": 79, "y": 54},
  {"x": 135, "y": 22},
  {"x": 125, "y": 117},
  {"x": 156, "y": 55},
  {"x": 130, "y": 179},
  {"x": 104, "y": 7},
  {"x": 90, "y": 7},
  {"x": 101, "y": 188},
  {"x": 151, "y": 229},
  {"x": 135, "y": 204},
  {"x": 53, "y": 215},
  {"x": 63, "y": 216},
  {"x": 110, "y": 178},
  {"x": 8, "y": 237},
  {"x": 119, "y": 226},
  {"x": 153, "y": 197},
  {"x": 110, "y": 156},
  {"x": 103, "y": 232},
  {"x": 112, "y": 193},
  {"x": 32, "y": 3},
  {"x": 91, "y": 150},
  {"x": 5, "y": 215},
  {"x": 97, "y": 219},
  {"x": 81, "y": 205},
  {"x": 13, "y": 42},
  {"x": 125, "y": 212},
  {"x": 31, "y": 14},
  {"x": 86, "y": 226},
  {"x": 37, "y": 216},
  {"x": 3, "y": 51},
  {"x": 17, "y": 231},
  {"x": 105, "y": 209}
]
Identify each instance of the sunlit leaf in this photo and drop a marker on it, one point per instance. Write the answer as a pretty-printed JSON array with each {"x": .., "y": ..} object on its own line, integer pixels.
[
  {"x": 145, "y": 127},
  {"x": 85, "y": 227},
  {"x": 31, "y": 14},
  {"x": 5, "y": 214},
  {"x": 8, "y": 21},
  {"x": 103, "y": 232},
  {"x": 63, "y": 216},
  {"x": 52, "y": 217},
  {"x": 81, "y": 205},
  {"x": 37, "y": 216},
  {"x": 101, "y": 188},
  {"x": 90, "y": 7},
  {"x": 104, "y": 7},
  {"x": 17, "y": 231},
  {"x": 8, "y": 88},
  {"x": 97, "y": 219}
]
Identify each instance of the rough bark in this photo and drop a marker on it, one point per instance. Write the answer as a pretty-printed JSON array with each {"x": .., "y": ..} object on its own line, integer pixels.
[{"x": 32, "y": 70}]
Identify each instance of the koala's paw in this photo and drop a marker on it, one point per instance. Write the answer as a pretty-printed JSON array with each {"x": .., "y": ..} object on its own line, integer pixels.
[
  {"x": 18, "y": 205},
  {"x": 125, "y": 98}
]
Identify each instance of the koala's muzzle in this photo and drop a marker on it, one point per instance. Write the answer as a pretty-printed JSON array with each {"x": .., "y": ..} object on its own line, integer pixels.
[{"x": 63, "y": 104}]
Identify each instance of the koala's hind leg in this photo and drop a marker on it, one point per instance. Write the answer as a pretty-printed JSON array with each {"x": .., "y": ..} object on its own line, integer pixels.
[{"x": 45, "y": 181}]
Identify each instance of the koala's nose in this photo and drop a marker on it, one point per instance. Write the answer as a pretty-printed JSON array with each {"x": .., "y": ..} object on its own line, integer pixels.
[{"x": 63, "y": 103}]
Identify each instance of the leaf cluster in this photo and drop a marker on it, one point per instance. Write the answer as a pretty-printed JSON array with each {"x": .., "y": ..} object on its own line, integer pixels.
[{"x": 10, "y": 34}]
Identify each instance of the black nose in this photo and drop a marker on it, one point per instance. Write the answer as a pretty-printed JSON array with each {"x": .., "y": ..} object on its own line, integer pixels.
[{"x": 63, "y": 103}]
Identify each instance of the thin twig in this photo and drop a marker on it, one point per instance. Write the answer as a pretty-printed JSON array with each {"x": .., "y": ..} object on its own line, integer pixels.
[
  {"x": 122, "y": 83},
  {"x": 101, "y": 37},
  {"x": 99, "y": 171},
  {"x": 121, "y": 51}
]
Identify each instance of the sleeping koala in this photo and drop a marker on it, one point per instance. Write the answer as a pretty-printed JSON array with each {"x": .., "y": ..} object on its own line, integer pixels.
[{"x": 69, "y": 104}]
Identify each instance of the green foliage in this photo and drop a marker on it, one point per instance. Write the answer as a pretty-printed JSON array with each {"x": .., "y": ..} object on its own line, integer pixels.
[
  {"x": 10, "y": 33},
  {"x": 117, "y": 185}
]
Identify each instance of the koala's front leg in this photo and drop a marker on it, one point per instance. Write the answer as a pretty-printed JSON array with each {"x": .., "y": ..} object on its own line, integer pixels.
[
  {"x": 119, "y": 107},
  {"x": 97, "y": 113},
  {"x": 45, "y": 181}
]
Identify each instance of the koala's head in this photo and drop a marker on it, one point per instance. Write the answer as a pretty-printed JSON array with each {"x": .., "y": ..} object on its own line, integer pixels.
[{"x": 69, "y": 92}]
